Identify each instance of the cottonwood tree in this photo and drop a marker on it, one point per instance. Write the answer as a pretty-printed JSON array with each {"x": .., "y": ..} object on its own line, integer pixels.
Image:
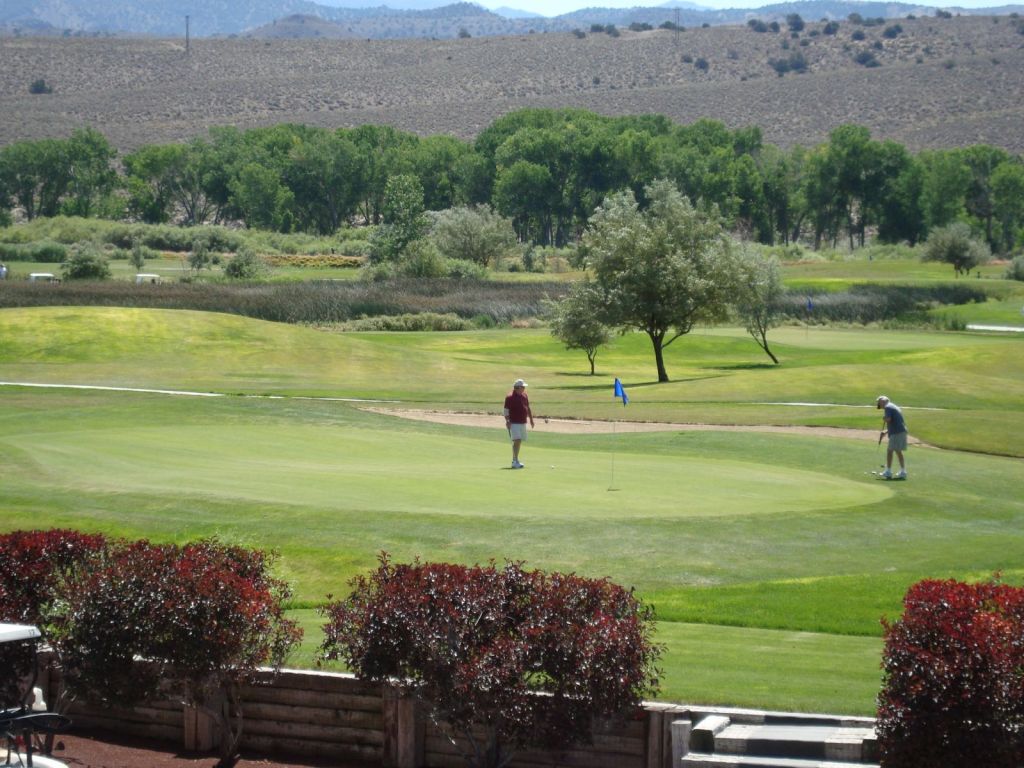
[
  {"x": 757, "y": 303},
  {"x": 404, "y": 219},
  {"x": 574, "y": 321},
  {"x": 660, "y": 269}
]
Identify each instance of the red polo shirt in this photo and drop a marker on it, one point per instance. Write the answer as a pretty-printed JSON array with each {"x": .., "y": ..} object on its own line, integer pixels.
[{"x": 518, "y": 405}]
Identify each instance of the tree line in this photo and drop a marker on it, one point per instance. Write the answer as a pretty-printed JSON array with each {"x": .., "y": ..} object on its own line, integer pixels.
[{"x": 546, "y": 170}]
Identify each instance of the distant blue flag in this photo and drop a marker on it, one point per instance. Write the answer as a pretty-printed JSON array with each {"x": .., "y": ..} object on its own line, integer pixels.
[
  {"x": 810, "y": 304},
  {"x": 621, "y": 392}
]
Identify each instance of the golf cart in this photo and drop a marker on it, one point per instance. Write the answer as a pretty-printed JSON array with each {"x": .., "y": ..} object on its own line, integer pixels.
[{"x": 21, "y": 726}]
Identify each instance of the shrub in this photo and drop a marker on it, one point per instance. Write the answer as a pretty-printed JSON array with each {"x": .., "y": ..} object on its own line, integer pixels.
[
  {"x": 640, "y": 26},
  {"x": 579, "y": 34},
  {"x": 35, "y": 566},
  {"x": 757, "y": 25},
  {"x": 701, "y": 64},
  {"x": 867, "y": 59},
  {"x": 203, "y": 616},
  {"x": 460, "y": 269},
  {"x": 530, "y": 657},
  {"x": 858, "y": 34},
  {"x": 476, "y": 234},
  {"x": 86, "y": 262},
  {"x": 1015, "y": 269},
  {"x": 830, "y": 28},
  {"x": 46, "y": 252},
  {"x": 892, "y": 31},
  {"x": 422, "y": 259},
  {"x": 953, "y": 684},
  {"x": 39, "y": 86},
  {"x": 954, "y": 245},
  {"x": 246, "y": 265}
]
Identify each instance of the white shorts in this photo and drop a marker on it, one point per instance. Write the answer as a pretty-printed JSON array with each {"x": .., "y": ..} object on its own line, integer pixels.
[
  {"x": 517, "y": 431},
  {"x": 898, "y": 442}
]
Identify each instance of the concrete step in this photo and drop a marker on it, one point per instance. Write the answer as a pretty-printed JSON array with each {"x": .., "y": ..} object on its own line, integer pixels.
[
  {"x": 707, "y": 760},
  {"x": 813, "y": 742}
]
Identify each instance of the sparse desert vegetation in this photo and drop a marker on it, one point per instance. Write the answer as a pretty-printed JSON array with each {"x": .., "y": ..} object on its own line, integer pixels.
[{"x": 141, "y": 91}]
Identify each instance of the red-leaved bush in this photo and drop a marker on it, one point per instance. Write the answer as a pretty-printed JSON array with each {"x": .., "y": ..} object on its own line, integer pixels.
[
  {"x": 525, "y": 657},
  {"x": 34, "y": 567},
  {"x": 202, "y": 616},
  {"x": 953, "y": 689}
]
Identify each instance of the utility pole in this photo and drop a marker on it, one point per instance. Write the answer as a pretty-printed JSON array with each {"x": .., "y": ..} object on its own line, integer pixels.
[
  {"x": 187, "y": 41},
  {"x": 676, "y": 34}
]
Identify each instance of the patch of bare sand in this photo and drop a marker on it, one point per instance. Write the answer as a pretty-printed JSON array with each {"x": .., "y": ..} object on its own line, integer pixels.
[{"x": 586, "y": 427}]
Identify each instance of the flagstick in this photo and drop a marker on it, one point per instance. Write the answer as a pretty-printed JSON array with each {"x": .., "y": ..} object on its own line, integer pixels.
[{"x": 612, "y": 486}]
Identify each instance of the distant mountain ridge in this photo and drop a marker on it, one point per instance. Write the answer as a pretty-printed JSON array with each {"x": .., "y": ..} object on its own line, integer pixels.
[{"x": 418, "y": 18}]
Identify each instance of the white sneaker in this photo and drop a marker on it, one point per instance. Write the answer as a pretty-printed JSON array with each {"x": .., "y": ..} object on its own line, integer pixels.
[
  {"x": 887, "y": 474},
  {"x": 902, "y": 475},
  {"x": 517, "y": 465}
]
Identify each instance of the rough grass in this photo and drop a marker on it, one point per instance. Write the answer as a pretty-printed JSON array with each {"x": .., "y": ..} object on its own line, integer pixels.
[
  {"x": 148, "y": 91},
  {"x": 769, "y": 558}
]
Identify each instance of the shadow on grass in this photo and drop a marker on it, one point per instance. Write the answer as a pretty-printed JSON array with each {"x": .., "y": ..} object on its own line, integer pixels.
[
  {"x": 606, "y": 379},
  {"x": 746, "y": 367}
]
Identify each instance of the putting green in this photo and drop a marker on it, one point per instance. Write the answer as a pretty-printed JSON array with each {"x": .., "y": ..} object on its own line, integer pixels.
[{"x": 355, "y": 468}]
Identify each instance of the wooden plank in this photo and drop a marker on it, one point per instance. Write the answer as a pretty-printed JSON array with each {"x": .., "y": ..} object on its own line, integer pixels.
[
  {"x": 160, "y": 732},
  {"x": 403, "y": 730},
  {"x": 311, "y": 699},
  {"x": 333, "y": 734},
  {"x": 353, "y": 718},
  {"x": 124, "y": 715},
  {"x": 655, "y": 741},
  {"x": 327, "y": 682},
  {"x": 321, "y": 749}
]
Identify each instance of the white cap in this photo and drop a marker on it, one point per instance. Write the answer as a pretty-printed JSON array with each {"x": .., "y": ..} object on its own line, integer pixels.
[{"x": 518, "y": 383}]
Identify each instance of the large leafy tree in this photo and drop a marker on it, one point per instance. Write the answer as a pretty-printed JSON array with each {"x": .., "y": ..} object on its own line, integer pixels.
[
  {"x": 404, "y": 219},
  {"x": 35, "y": 175},
  {"x": 660, "y": 269},
  {"x": 324, "y": 172},
  {"x": 1008, "y": 201},
  {"x": 91, "y": 175}
]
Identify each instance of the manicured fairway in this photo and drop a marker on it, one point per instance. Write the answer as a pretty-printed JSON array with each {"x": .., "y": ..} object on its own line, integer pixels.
[{"x": 770, "y": 558}]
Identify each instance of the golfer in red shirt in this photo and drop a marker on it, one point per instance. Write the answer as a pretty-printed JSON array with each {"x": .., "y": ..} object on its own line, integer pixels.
[{"x": 517, "y": 411}]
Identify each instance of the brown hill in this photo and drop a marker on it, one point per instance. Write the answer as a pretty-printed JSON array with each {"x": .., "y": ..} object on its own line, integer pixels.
[{"x": 938, "y": 83}]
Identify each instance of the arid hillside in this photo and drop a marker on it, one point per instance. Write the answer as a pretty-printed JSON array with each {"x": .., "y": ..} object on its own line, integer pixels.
[{"x": 934, "y": 83}]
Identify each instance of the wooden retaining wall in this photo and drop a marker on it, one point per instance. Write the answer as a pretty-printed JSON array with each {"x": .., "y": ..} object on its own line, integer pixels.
[{"x": 334, "y": 716}]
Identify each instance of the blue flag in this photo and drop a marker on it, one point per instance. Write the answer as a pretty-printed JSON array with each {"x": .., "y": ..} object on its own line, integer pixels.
[
  {"x": 810, "y": 304},
  {"x": 621, "y": 392}
]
